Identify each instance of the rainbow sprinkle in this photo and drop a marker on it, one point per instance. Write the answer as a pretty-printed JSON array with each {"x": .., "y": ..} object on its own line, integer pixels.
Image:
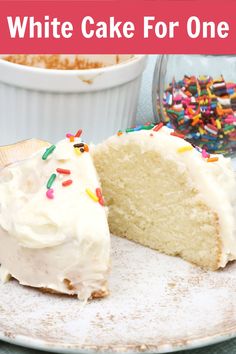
[
  {"x": 78, "y": 145},
  {"x": 51, "y": 181},
  {"x": 178, "y": 135},
  {"x": 185, "y": 148},
  {"x": 86, "y": 148},
  {"x": 77, "y": 151},
  {"x": 212, "y": 159},
  {"x": 67, "y": 183},
  {"x": 78, "y": 134},
  {"x": 48, "y": 152},
  {"x": 100, "y": 197},
  {"x": 49, "y": 193},
  {"x": 92, "y": 195},
  {"x": 158, "y": 127},
  {"x": 147, "y": 126},
  {"x": 63, "y": 171},
  {"x": 205, "y": 155}
]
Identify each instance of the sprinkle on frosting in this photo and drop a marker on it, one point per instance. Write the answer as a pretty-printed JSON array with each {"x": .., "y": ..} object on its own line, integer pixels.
[
  {"x": 63, "y": 171},
  {"x": 147, "y": 126},
  {"x": 78, "y": 134},
  {"x": 212, "y": 159},
  {"x": 129, "y": 130},
  {"x": 72, "y": 138},
  {"x": 51, "y": 180},
  {"x": 92, "y": 195},
  {"x": 185, "y": 148},
  {"x": 158, "y": 127},
  {"x": 100, "y": 197},
  {"x": 119, "y": 133},
  {"x": 50, "y": 194},
  {"x": 98, "y": 193},
  {"x": 67, "y": 183},
  {"x": 48, "y": 152},
  {"x": 179, "y": 135},
  {"x": 86, "y": 148},
  {"x": 77, "y": 151},
  {"x": 78, "y": 145},
  {"x": 205, "y": 155}
]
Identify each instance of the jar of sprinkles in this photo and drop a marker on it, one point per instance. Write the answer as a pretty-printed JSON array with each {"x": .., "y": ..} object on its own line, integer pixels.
[{"x": 196, "y": 96}]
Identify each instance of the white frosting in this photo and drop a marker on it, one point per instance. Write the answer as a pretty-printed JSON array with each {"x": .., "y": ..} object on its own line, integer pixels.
[
  {"x": 215, "y": 181},
  {"x": 44, "y": 241}
]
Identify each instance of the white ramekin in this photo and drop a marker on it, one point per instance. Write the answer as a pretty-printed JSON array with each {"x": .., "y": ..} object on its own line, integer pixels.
[{"x": 46, "y": 103}]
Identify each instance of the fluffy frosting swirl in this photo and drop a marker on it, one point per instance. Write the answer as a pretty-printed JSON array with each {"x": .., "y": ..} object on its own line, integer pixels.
[
  {"x": 38, "y": 222},
  {"x": 61, "y": 243}
]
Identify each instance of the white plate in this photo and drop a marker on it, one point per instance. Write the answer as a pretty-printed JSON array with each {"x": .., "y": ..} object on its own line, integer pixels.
[{"x": 157, "y": 304}]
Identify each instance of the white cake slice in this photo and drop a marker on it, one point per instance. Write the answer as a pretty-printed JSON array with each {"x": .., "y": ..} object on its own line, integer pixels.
[
  {"x": 53, "y": 232},
  {"x": 167, "y": 195}
]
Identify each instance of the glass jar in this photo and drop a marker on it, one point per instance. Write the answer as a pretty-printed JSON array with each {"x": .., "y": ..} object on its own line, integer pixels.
[{"x": 196, "y": 96}]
